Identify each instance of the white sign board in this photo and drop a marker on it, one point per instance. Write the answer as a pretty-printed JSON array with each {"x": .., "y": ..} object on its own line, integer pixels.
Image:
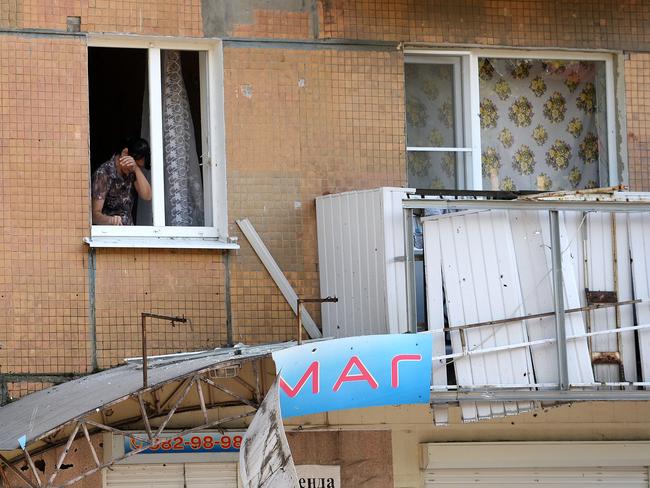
[{"x": 316, "y": 476}]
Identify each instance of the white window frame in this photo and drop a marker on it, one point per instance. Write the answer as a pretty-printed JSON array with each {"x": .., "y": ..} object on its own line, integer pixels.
[
  {"x": 473, "y": 174},
  {"x": 213, "y": 143}
]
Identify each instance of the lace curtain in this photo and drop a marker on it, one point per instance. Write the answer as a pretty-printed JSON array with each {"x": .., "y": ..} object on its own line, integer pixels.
[
  {"x": 183, "y": 178},
  {"x": 183, "y": 183}
]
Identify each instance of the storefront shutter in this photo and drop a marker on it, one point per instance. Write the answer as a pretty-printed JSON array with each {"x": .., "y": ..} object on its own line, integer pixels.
[
  {"x": 627, "y": 477},
  {"x": 211, "y": 475},
  {"x": 145, "y": 476},
  {"x": 191, "y": 475}
]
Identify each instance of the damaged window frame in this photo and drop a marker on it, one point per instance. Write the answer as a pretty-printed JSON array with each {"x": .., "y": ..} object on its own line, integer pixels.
[
  {"x": 471, "y": 178},
  {"x": 212, "y": 159}
]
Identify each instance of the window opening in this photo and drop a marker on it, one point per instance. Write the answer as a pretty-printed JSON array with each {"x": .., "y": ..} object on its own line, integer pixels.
[
  {"x": 120, "y": 108},
  {"x": 437, "y": 155},
  {"x": 543, "y": 124}
]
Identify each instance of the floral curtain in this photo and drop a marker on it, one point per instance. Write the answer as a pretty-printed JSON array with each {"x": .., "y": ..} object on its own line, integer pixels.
[{"x": 542, "y": 127}]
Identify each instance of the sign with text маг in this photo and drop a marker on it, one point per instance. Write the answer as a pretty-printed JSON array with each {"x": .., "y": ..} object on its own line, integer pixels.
[{"x": 354, "y": 372}]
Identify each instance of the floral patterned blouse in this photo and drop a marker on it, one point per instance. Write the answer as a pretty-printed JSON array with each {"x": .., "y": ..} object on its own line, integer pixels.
[{"x": 117, "y": 191}]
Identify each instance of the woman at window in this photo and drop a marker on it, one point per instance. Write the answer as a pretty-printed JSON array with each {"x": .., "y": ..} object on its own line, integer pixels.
[{"x": 117, "y": 182}]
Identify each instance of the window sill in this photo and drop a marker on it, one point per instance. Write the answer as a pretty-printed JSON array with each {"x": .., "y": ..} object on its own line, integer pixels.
[{"x": 160, "y": 242}]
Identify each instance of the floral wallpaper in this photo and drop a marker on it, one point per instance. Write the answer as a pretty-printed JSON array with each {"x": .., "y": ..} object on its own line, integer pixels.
[
  {"x": 541, "y": 127},
  {"x": 430, "y": 122},
  {"x": 543, "y": 124}
]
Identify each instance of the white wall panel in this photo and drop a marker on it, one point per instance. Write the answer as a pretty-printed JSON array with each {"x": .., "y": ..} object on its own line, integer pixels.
[
  {"x": 393, "y": 229},
  {"x": 482, "y": 284},
  {"x": 361, "y": 261},
  {"x": 436, "y": 319},
  {"x": 531, "y": 235},
  {"x": 639, "y": 229}
]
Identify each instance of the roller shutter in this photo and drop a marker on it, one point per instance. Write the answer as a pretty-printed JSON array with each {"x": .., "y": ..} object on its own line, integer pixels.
[
  {"x": 191, "y": 475},
  {"x": 626, "y": 477}
]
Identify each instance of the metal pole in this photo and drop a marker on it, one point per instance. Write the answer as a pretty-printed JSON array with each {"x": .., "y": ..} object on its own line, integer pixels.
[
  {"x": 144, "y": 351},
  {"x": 299, "y": 307},
  {"x": 558, "y": 298},
  {"x": 144, "y": 316},
  {"x": 4, "y": 391},
  {"x": 92, "y": 320},
  {"x": 229, "y": 334}
]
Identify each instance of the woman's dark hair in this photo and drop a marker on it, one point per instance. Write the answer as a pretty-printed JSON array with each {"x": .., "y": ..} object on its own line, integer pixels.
[{"x": 138, "y": 148}]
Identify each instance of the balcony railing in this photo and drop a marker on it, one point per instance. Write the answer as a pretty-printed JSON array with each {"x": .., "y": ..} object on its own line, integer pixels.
[{"x": 504, "y": 336}]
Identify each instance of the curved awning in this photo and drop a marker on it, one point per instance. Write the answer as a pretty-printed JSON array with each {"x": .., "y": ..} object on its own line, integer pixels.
[{"x": 37, "y": 415}]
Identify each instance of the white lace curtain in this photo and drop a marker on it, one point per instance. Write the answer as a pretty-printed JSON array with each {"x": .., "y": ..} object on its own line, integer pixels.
[{"x": 183, "y": 179}]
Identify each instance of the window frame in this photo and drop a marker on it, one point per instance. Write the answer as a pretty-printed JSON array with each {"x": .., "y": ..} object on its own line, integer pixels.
[
  {"x": 213, "y": 158},
  {"x": 470, "y": 58}
]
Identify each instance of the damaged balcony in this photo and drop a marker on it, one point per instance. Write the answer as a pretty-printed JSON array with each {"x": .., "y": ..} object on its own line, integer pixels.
[{"x": 479, "y": 271}]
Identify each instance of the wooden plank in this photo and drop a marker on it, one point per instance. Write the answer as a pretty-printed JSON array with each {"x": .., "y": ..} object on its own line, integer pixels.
[{"x": 278, "y": 276}]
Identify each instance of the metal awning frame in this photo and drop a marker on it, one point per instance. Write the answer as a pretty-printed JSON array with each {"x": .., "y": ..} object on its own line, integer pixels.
[
  {"x": 563, "y": 391},
  {"x": 162, "y": 408}
]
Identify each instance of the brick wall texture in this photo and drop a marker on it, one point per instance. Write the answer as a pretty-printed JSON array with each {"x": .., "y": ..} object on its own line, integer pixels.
[
  {"x": 584, "y": 24},
  {"x": 301, "y": 121},
  {"x": 148, "y": 17}
]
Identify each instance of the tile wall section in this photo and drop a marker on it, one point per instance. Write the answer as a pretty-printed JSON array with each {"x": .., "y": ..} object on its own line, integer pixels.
[
  {"x": 151, "y": 17},
  {"x": 44, "y": 204},
  {"x": 637, "y": 93},
  {"x": 187, "y": 283},
  {"x": 276, "y": 24},
  {"x": 300, "y": 124},
  {"x": 585, "y": 24}
]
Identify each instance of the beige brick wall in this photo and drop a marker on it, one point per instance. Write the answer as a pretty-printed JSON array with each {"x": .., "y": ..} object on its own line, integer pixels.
[
  {"x": 186, "y": 283},
  {"x": 276, "y": 24},
  {"x": 300, "y": 123},
  {"x": 585, "y": 24},
  {"x": 637, "y": 92},
  {"x": 44, "y": 204},
  {"x": 153, "y": 17}
]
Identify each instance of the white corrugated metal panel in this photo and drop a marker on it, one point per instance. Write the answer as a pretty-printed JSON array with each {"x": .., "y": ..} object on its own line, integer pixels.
[
  {"x": 145, "y": 476},
  {"x": 636, "y": 477},
  {"x": 436, "y": 322},
  {"x": 481, "y": 283},
  {"x": 531, "y": 237},
  {"x": 639, "y": 229},
  {"x": 211, "y": 475},
  {"x": 393, "y": 219},
  {"x": 361, "y": 261}
]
